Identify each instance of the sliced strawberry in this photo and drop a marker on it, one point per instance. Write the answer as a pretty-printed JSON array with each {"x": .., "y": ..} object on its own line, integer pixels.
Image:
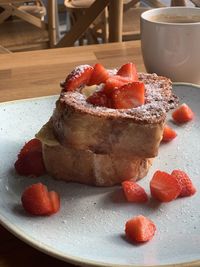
[
  {"x": 36, "y": 200},
  {"x": 183, "y": 114},
  {"x": 32, "y": 145},
  {"x": 115, "y": 82},
  {"x": 168, "y": 134},
  {"x": 55, "y": 201},
  {"x": 187, "y": 187},
  {"x": 30, "y": 159},
  {"x": 128, "y": 70},
  {"x": 99, "y": 75},
  {"x": 130, "y": 95},
  {"x": 78, "y": 77},
  {"x": 30, "y": 164},
  {"x": 98, "y": 99},
  {"x": 140, "y": 229},
  {"x": 134, "y": 192},
  {"x": 164, "y": 187}
]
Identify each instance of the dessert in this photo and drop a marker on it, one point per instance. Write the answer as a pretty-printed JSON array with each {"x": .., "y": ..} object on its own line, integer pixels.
[
  {"x": 135, "y": 132},
  {"x": 107, "y": 125}
]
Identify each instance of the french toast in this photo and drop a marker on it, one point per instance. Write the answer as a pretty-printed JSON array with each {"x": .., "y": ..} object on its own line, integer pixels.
[
  {"x": 103, "y": 141},
  {"x": 130, "y": 133},
  {"x": 84, "y": 166}
]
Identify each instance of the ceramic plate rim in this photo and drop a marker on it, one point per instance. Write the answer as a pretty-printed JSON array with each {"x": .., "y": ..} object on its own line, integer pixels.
[{"x": 70, "y": 258}]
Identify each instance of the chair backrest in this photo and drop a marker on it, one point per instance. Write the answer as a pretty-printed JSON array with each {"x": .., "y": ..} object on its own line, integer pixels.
[{"x": 33, "y": 12}]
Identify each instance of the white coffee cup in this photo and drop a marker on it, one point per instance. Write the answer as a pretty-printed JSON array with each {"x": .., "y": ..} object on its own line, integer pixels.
[{"x": 172, "y": 48}]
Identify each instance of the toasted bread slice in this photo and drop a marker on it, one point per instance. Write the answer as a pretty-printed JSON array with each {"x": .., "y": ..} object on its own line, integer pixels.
[
  {"x": 128, "y": 133},
  {"x": 83, "y": 166}
]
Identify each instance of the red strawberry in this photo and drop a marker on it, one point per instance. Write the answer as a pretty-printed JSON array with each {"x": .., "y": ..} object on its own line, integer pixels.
[
  {"x": 130, "y": 95},
  {"x": 168, "y": 134},
  {"x": 32, "y": 145},
  {"x": 99, "y": 75},
  {"x": 55, "y": 201},
  {"x": 164, "y": 187},
  {"x": 115, "y": 82},
  {"x": 30, "y": 160},
  {"x": 183, "y": 114},
  {"x": 134, "y": 192},
  {"x": 36, "y": 200},
  {"x": 187, "y": 188},
  {"x": 78, "y": 77},
  {"x": 98, "y": 99},
  {"x": 140, "y": 229},
  {"x": 128, "y": 70}
]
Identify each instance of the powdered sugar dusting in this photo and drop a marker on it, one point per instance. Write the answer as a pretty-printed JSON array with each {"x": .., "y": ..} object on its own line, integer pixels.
[
  {"x": 77, "y": 71},
  {"x": 158, "y": 100},
  {"x": 112, "y": 72}
]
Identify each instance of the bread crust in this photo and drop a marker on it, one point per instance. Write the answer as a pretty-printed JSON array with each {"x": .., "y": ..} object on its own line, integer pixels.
[
  {"x": 86, "y": 167},
  {"x": 83, "y": 166}
]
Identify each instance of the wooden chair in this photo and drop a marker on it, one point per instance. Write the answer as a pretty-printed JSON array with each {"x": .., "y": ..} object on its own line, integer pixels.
[
  {"x": 22, "y": 25},
  {"x": 121, "y": 27},
  {"x": 3, "y": 50},
  {"x": 98, "y": 28}
]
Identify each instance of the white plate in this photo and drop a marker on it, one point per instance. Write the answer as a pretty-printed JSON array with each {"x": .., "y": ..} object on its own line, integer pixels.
[{"x": 89, "y": 229}]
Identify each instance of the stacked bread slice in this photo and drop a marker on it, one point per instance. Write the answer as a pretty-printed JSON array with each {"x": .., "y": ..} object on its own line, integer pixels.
[{"x": 104, "y": 146}]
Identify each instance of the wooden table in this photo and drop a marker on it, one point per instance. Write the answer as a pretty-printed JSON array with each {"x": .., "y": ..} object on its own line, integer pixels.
[{"x": 38, "y": 73}]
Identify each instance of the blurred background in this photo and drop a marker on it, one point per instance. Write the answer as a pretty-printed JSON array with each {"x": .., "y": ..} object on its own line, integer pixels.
[{"x": 42, "y": 24}]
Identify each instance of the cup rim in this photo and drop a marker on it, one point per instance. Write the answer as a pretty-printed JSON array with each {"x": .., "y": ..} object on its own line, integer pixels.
[{"x": 144, "y": 15}]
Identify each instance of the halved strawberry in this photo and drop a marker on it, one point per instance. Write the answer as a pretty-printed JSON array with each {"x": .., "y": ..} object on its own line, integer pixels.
[
  {"x": 36, "y": 200},
  {"x": 30, "y": 159},
  {"x": 78, "y": 77},
  {"x": 183, "y": 114},
  {"x": 128, "y": 70},
  {"x": 134, "y": 192},
  {"x": 98, "y": 99},
  {"x": 130, "y": 95},
  {"x": 55, "y": 201},
  {"x": 99, "y": 75},
  {"x": 168, "y": 134},
  {"x": 140, "y": 229},
  {"x": 164, "y": 187},
  {"x": 32, "y": 145},
  {"x": 115, "y": 82},
  {"x": 187, "y": 187}
]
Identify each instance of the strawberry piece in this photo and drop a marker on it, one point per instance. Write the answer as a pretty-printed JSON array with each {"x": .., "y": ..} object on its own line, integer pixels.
[
  {"x": 78, "y": 77},
  {"x": 32, "y": 145},
  {"x": 183, "y": 114},
  {"x": 98, "y": 99},
  {"x": 30, "y": 164},
  {"x": 128, "y": 70},
  {"x": 99, "y": 75},
  {"x": 168, "y": 134},
  {"x": 115, "y": 82},
  {"x": 130, "y": 95},
  {"x": 134, "y": 192},
  {"x": 55, "y": 201},
  {"x": 140, "y": 229},
  {"x": 36, "y": 200},
  {"x": 30, "y": 159},
  {"x": 164, "y": 187},
  {"x": 187, "y": 187}
]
